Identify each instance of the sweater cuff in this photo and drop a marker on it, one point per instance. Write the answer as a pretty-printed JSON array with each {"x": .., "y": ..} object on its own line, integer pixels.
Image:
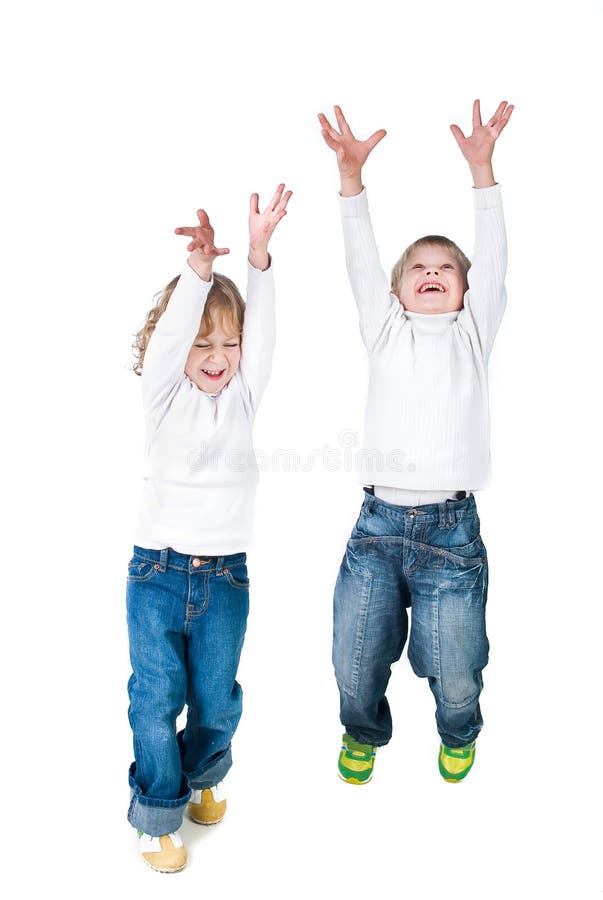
[
  {"x": 352, "y": 207},
  {"x": 487, "y": 198}
]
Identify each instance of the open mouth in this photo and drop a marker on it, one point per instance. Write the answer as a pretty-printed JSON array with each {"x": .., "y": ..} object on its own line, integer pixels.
[
  {"x": 214, "y": 374},
  {"x": 431, "y": 287}
]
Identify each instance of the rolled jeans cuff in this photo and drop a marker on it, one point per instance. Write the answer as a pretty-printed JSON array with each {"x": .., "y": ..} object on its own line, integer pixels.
[
  {"x": 210, "y": 775},
  {"x": 153, "y": 815}
]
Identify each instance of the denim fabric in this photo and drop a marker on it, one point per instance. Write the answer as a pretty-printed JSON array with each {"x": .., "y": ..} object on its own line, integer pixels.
[
  {"x": 186, "y": 623},
  {"x": 430, "y": 558}
]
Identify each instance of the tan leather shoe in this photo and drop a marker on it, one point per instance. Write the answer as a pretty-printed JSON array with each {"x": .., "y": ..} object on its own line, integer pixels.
[
  {"x": 164, "y": 854},
  {"x": 207, "y": 807}
]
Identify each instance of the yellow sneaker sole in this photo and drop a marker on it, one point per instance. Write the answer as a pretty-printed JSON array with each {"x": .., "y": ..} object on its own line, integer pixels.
[{"x": 354, "y": 780}]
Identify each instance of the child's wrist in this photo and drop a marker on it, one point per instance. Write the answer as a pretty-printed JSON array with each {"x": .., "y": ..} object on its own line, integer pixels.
[
  {"x": 482, "y": 175},
  {"x": 258, "y": 257},
  {"x": 201, "y": 267},
  {"x": 351, "y": 184}
]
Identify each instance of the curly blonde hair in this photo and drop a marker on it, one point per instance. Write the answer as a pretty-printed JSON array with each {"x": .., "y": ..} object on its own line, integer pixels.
[
  {"x": 436, "y": 240},
  {"x": 224, "y": 300}
]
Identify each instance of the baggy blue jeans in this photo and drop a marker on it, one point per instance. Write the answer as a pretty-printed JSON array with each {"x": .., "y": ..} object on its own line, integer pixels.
[
  {"x": 187, "y": 617},
  {"x": 432, "y": 559}
]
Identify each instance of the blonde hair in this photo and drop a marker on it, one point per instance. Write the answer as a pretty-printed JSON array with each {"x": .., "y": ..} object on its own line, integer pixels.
[
  {"x": 224, "y": 300},
  {"x": 434, "y": 240}
]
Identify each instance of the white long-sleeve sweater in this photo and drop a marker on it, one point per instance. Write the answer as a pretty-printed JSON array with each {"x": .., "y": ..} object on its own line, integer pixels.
[
  {"x": 200, "y": 468},
  {"x": 427, "y": 423}
]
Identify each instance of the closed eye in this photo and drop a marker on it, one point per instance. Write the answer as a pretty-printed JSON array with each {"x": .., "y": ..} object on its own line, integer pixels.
[{"x": 207, "y": 346}]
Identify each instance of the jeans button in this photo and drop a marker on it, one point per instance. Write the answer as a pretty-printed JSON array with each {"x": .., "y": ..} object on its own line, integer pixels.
[
  {"x": 196, "y": 562},
  {"x": 225, "y": 571},
  {"x": 412, "y": 514}
]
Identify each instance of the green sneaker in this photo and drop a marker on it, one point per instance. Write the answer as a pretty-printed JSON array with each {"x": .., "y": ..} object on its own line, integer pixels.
[
  {"x": 454, "y": 762},
  {"x": 356, "y": 761}
]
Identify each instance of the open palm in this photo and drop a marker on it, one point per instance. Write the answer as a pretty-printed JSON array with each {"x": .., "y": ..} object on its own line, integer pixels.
[
  {"x": 351, "y": 153},
  {"x": 262, "y": 224},
  {"x": 478, "y": 147},
  {"x": 202, "y": 238}
]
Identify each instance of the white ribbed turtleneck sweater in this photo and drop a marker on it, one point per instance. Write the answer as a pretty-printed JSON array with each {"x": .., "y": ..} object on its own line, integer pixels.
[
  {"x": 200, "y": 467},
  {"x": 427, "y": 420}
]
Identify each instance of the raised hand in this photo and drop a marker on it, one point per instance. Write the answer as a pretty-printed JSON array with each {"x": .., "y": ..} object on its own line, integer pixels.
[
  {"x": 351, "y": 153},
  {"x": 478, "y": 147},
  {"x": 262, "y": 224},
  {"x": 202, "y": 248}
]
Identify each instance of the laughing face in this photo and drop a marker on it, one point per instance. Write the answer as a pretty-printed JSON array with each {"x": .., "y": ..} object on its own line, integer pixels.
[
  {"x": 432, "y": 281},
  {"x": 214, "y": 358}
]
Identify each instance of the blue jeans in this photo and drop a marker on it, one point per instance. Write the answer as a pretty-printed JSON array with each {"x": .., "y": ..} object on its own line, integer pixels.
[
  {"x": 429, "y": 558},
  {"x": 187, "y": 617}
]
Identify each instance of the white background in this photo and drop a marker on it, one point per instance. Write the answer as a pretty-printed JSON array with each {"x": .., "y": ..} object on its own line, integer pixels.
[{"x": 119, "y": 121}]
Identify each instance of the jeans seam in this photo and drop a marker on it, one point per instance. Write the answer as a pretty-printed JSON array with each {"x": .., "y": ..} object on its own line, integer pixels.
[
  {"x": 139, "y": 756},
  {"x": 436, "y": 643},
  {"x": 350, "y": 685},
  {"x": 414, "y": 544},
  {"x": 360, "y": 631},
  {"x": 462, "y": 704},
  {"x": 191, "y": 612},
  {"x": 189, "y": 605}
]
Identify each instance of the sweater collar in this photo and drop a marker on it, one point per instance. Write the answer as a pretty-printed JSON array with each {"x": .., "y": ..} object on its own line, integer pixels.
[{"x": 434, "y": 323}]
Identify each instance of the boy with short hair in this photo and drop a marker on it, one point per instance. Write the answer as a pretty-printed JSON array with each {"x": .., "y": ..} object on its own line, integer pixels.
[{"x": 417, "y": 542}]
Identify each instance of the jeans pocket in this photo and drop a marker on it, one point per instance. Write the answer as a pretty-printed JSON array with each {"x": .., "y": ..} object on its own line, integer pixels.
[
  {"x": 240, "y": 580},
  {"x": 465, "y": 571},
  {"x": 141, "y": 569},
  {"x": 467, "y": 554}
]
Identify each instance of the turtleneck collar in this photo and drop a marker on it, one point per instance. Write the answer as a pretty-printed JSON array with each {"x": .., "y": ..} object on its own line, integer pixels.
[{"x": 431, "y": 323}]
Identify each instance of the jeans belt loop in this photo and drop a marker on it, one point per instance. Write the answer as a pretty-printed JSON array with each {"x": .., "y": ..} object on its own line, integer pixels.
[
  {"x": 163, "y": 558},
  {"x": 219, "y": 564},
  {"x": 451, "y": 512},
  {"x": 447, "y": 514}
]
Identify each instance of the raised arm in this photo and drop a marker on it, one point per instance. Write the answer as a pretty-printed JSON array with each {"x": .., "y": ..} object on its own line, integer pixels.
[
  {"x": 369, "y": 282},
  {"x": 259, "y": 327},
  {"x": 485, "y": 300},
  {"x": 177, "y": 328}
]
